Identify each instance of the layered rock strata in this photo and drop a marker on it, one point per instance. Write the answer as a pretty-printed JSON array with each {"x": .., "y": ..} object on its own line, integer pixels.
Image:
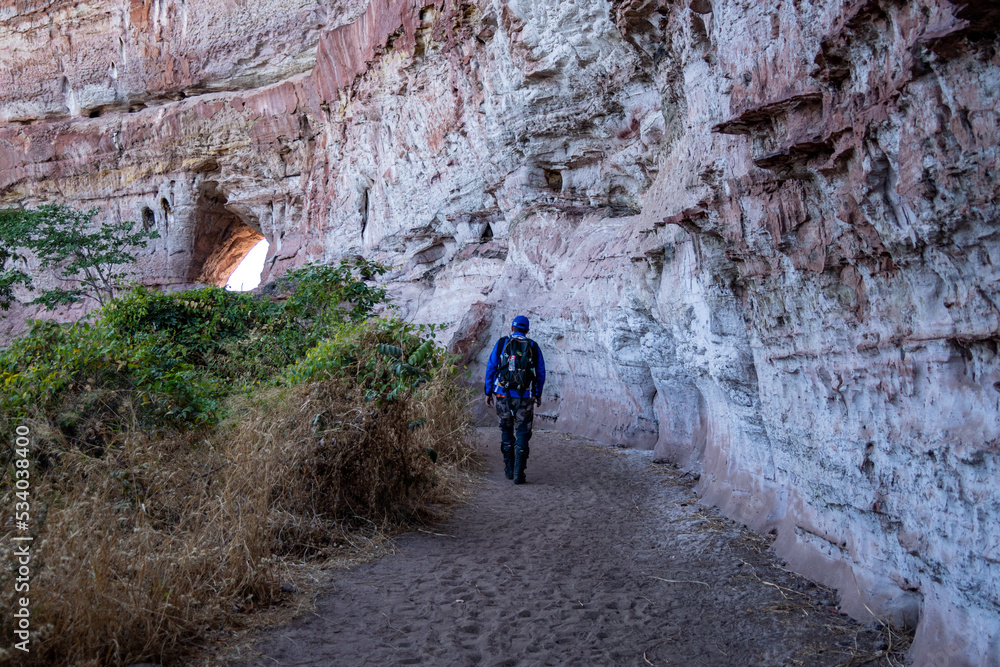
[{"x": 761, "y": 238}]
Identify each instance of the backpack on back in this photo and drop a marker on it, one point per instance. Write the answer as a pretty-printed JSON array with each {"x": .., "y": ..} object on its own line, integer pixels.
[{"x": 517, "y": 364}]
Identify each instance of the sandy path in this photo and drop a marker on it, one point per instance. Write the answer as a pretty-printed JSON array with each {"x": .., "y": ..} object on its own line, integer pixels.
[{"x": 568, "y": 569}]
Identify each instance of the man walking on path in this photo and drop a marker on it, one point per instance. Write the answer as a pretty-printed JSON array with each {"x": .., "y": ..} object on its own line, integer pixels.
[{"x": 515, "y": 376}]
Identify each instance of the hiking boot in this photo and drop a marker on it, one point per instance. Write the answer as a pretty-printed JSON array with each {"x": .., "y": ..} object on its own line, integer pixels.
[
  {"x": 508, "y": 460},
  {"x": 520, "y": 460}
]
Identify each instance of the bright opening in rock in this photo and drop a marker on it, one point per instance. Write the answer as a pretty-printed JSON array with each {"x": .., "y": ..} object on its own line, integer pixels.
[
  {"x": 222, "y": 239},
  {"x": 247, "y": 274}
]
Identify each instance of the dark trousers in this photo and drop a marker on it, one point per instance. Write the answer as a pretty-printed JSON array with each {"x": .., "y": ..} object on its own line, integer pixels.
[{"x": 516, "y": 416}]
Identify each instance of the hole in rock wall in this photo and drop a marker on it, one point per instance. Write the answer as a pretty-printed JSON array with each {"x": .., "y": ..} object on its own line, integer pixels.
[
  {"x": 363, "y": 210},
  {"x": 221, "y": 239},
  {"x": 148, "y": 219},
  {"x": 423, "y": 36},
  {"x": 699, "y": 31},
  {"x": 553, "y": 178},
  {"x": 487, "y": 234},
  {"x": 247, "y": 274}
]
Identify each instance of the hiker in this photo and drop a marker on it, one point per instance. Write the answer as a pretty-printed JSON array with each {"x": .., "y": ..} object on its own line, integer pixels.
[{"x": 515, "y": 376}]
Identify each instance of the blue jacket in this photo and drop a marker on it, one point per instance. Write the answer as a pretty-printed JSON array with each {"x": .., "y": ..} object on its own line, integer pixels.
[{"x": 492, "y": 371}]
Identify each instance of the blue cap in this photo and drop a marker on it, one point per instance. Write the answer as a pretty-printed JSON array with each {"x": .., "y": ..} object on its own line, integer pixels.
[{"x": 520, "y": 322}]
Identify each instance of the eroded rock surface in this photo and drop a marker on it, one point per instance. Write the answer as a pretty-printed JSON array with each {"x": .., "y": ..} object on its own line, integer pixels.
[{"x": 761, "y": 238}]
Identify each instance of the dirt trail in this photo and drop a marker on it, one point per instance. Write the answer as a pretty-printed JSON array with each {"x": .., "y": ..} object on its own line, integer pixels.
[{"x": 602, "y": 558}]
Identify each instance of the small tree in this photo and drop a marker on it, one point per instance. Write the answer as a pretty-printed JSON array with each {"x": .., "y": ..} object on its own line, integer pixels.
[
  {"x": 96, "y": 258},
  {"x": 12, "y": 226}
]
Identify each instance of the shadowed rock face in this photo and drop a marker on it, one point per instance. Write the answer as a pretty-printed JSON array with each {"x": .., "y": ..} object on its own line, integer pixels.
[{"x": 759, "y": 237}]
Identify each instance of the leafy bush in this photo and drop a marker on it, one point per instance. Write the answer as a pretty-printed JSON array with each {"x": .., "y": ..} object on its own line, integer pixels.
[
  {"x": 327, "y": 296},
  {"x": 57, "y": 366},
  {"x": 197, "y": 319},
  {"x": 175, "y": 356},
  {"x": 385, "y": 358}
]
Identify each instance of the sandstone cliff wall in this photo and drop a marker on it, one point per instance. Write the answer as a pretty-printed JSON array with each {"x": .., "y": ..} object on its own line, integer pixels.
[{"x": 761, "y": 238}]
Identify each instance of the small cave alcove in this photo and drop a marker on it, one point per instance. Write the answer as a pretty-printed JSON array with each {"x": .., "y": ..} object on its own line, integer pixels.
[{"x": 222, "y": 240}]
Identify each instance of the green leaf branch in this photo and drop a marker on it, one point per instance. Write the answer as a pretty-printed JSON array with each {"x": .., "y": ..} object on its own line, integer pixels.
[{"x": 94, "y": 259}]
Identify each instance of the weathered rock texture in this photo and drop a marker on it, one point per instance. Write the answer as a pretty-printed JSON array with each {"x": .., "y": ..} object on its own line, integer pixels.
[{"x": 760, "y": 237}]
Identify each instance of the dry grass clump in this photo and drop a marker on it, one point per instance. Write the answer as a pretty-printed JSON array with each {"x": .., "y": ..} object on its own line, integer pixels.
[
  {"x": 143, "y": 548},
  {"x": 889, "y": 651}
]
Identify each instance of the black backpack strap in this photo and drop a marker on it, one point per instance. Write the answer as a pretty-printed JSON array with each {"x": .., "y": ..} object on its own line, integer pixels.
[
  {"x": 502, "y": 346},
  {"x": 532, "y": 346}
]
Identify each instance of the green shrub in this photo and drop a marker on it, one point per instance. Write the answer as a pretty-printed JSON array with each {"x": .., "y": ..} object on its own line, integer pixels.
[
  {"x": 385, "y": 358},
  {"x": 57, "y": 366},
  {"x": 327, "y": 296},
  {"x": 245, "y": 337},
  {"x": 176, "y": 356},
  {"x": 196, "y": 319}
]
